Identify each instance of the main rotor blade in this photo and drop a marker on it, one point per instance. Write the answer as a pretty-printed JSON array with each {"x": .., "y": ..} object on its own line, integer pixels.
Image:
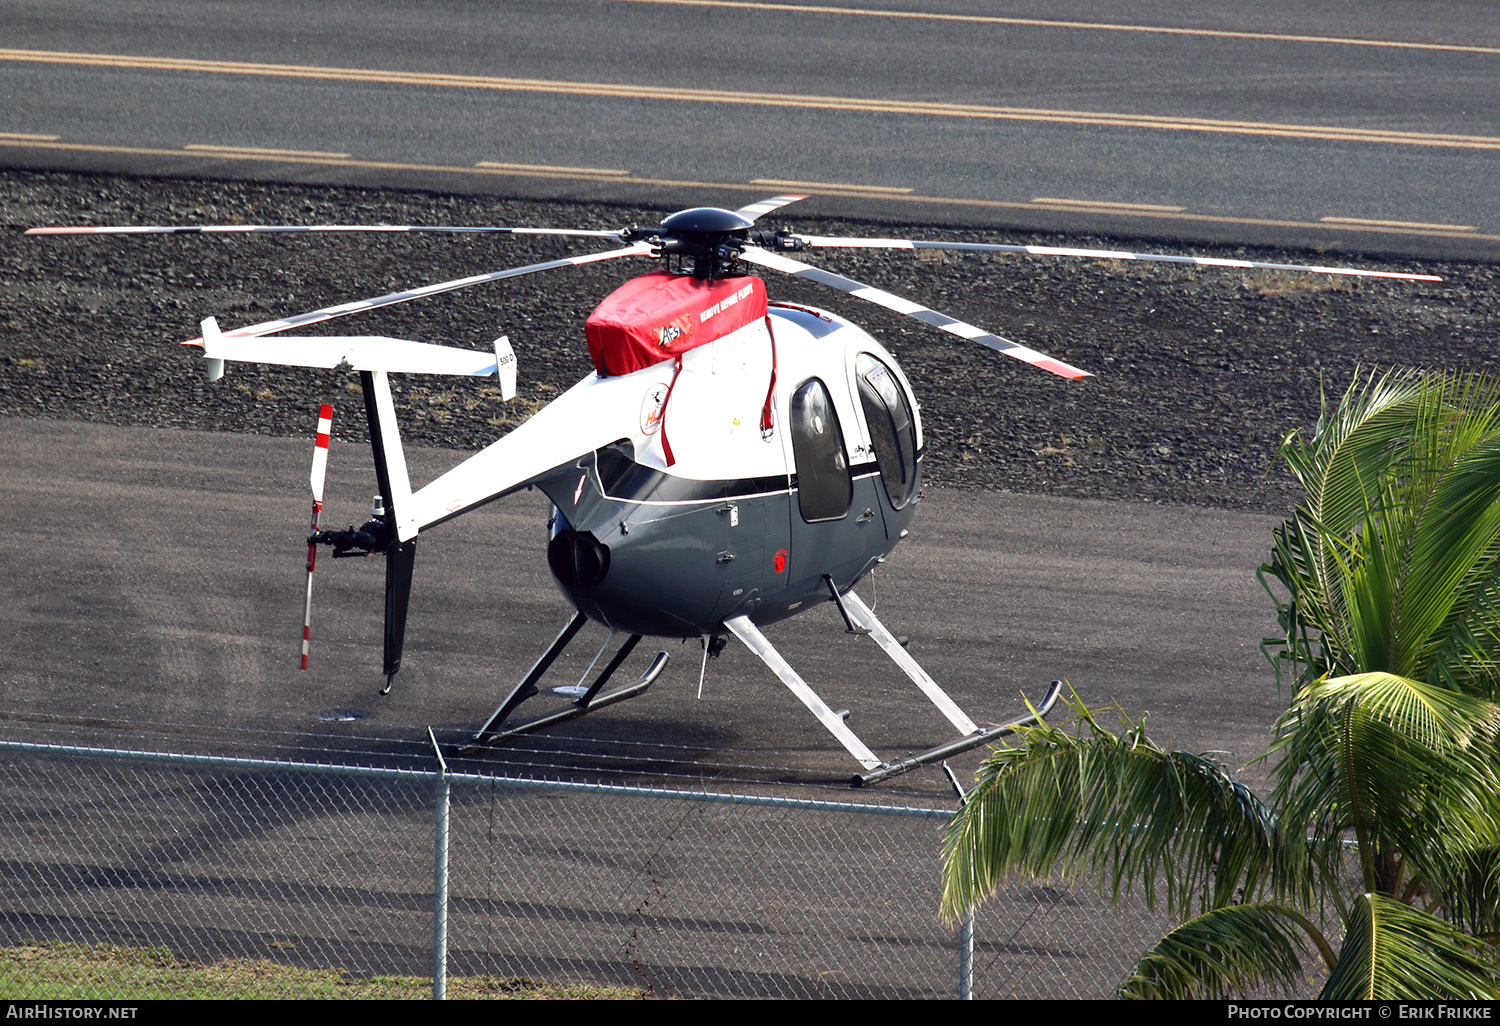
[
  {"x": 328, "y": 313},
  {"x": 251, "y": 229},
  {"x": 890, "y": 301},
  {"x": 827, "y": 241},
  {"x": 765, "y": 206}
]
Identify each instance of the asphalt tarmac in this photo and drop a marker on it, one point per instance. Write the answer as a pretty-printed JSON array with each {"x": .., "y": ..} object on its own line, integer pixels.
[
  {"x": 1369, "y": 125},
  {"x": 153, "y": 598}
]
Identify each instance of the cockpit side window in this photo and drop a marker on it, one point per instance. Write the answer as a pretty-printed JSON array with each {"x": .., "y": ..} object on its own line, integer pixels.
[
  {"x": 824, "y": 489},
  {"x": 892, "y": 428}
]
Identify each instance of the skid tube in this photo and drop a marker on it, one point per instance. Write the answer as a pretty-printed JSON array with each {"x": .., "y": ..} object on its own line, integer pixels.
[{"x": 962, "y": 744}]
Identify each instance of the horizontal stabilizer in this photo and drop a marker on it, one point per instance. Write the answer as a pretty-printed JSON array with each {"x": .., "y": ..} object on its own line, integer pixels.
[{"x": 351, "y": 352}]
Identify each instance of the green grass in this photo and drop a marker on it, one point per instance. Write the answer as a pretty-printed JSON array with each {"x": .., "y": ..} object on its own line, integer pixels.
[{"x": 61, "y": 971}]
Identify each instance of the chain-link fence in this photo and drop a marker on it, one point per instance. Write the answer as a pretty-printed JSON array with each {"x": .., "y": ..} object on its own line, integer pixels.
[{"x": 273, "y": 869}]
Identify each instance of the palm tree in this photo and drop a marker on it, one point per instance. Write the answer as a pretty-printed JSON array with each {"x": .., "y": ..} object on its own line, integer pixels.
[
  {"x": 1391, "y": 561},
  {"x": 1391, "y": 574}
]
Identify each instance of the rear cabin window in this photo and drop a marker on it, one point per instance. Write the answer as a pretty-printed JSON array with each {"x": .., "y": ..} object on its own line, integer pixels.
[
  {"x": 824, "y": 489},
  {"x": 892, "y": 428}
]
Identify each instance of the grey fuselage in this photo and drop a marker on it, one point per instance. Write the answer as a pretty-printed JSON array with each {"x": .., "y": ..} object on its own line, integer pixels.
[{"x": 642, "y": 549}]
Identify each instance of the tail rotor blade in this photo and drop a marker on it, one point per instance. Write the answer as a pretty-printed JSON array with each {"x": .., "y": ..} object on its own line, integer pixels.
[
  {"x": 320, "y": 452},
  {"x": 319, "y": 472}
]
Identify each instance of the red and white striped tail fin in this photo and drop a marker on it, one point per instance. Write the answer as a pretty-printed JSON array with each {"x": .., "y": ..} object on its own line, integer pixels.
[{"x": 319, "y": 472}]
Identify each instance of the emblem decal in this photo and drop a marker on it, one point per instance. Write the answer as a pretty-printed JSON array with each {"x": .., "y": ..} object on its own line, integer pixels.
[
  {"x": 651, "y": 404},
  {"x": 779, "y": 562},
  {"x": 668, "y": 334},
  {"x": 579, "y": 490}
]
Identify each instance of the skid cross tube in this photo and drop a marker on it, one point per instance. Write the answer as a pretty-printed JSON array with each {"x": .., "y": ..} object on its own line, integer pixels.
[
  {"x": 527, "y": 687},
  {"x": 492, "y": 734},
  {"x": 578, "y": 707},
  {"x": 865, "y": 617},
  {"x": 861, "y": 616}
]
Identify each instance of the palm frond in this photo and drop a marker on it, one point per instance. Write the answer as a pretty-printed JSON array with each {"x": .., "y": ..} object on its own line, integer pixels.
[
  {"x": 1391, "y": 562},
  {"x": 1121, "y": 812},
  {"x": 1407, "y": 766},
  {"x": 1464, "y": 654},
  {"x": 1470, "y": 896},
  {"x": 1226, "y": 952},
  {"x": 1454, "y": 580},
  {"x": 1393, "y": 952},
  {"x": 1386, "y": 580}
]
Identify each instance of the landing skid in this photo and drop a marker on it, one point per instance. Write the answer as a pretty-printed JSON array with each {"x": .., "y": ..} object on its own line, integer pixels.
[
  {"x": 963, "y": 744},
  {"x": 494, "y": 732},
  {"x": 861, "y": 619}
]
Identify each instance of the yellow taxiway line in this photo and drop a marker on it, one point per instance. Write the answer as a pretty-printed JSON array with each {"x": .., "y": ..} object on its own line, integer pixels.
[
  {"x": 1089, "y": 26},
  {"x": 874, "y": 105}
]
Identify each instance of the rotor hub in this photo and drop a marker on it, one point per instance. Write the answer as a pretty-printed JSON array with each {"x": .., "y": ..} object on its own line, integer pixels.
[
  {"x": 710, "y": 236},
  {"x": 704, "y": 221}
]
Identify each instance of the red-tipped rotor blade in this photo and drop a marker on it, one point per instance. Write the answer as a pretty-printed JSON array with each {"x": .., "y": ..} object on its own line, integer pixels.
[
  {"x": 319, "y": 472},
  {"x": 891, "y": 301},
  {"x": 828, "y": 241},
  {"x": 765, "y": 206},
  {"x": 257, "y": 229},
  {"x": 359, "y": 306}
]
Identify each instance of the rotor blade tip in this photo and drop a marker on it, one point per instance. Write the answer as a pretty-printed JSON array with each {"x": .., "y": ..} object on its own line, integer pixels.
[{"x": 1062, "y": 370}]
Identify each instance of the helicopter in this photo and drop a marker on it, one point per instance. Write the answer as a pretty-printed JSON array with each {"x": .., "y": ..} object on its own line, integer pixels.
[{"x": 732, "y": 461}]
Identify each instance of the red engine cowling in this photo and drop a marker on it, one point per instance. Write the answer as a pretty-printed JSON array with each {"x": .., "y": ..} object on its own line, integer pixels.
[{"x": 659, "y": 315}]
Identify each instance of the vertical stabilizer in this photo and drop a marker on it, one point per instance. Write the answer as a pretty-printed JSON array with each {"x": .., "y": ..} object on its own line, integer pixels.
[{"x": 395, "y": 488}]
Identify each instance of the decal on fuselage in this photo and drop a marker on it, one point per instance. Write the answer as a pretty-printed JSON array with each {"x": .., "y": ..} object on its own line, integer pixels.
[
  {"x": 651, "y": 407},
  {"x": 668, "y": 335},
  {"x": 726, "y": 302}
]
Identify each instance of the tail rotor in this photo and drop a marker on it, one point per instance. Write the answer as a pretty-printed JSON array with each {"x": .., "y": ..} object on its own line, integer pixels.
[{"x": 319, "y": 472}]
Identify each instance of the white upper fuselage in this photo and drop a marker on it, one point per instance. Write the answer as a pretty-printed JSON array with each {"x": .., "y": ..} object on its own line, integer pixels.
[{"x": 711, "y": 422}]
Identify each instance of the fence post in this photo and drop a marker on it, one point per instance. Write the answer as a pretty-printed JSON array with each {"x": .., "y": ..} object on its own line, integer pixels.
[
  {"x": 966, "y": 930},
  {"x": 440, "y": 879},
  {"x": 966, "y": 957}
]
